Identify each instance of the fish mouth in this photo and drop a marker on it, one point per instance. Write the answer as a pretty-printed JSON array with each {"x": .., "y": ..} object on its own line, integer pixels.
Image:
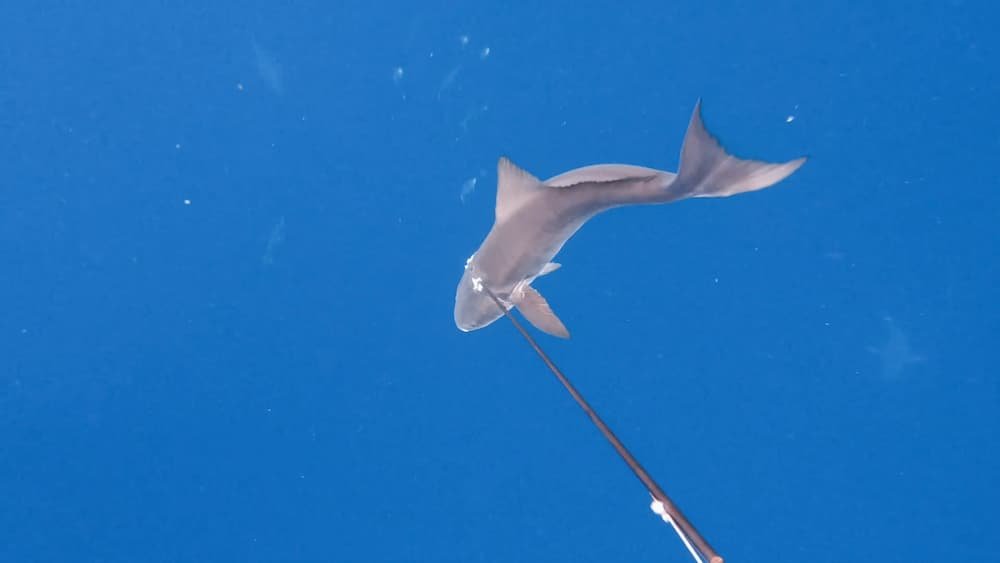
[{"x": 465, "y": 326}]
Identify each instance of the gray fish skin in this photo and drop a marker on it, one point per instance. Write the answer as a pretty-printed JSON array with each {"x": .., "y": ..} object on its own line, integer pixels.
[{"x": 534, "y": 219}]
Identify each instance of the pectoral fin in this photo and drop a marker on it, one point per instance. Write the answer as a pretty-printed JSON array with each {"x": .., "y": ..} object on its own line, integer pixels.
[{"x": 534, "y": 308}]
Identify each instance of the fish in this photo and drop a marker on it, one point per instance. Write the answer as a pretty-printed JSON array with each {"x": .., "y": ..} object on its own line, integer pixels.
[
  {"x": 268, "y": 68},
  {"x": 534, "y": 219},
  {"x": 896, "y": 354}
]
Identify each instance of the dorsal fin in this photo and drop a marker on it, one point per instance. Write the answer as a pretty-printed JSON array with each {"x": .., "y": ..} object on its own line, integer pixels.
[{"x": 514, "y": 186}]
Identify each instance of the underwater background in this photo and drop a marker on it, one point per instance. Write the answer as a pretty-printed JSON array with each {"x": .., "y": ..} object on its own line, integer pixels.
[{"x": 231, "y": 235}]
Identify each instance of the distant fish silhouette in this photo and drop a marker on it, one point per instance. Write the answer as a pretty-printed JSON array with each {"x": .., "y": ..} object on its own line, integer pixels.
[
  {"x": 268, "y": 68},
  {"x": 274, "y": 239},
  {"x": 534, "y": 220},
  {"x": 895, "y": 354},
  {"x": 448, "y": 81}
]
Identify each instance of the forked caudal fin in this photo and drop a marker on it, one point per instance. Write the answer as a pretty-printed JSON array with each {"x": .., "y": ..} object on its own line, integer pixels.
[{"x": 706, "y": 170}]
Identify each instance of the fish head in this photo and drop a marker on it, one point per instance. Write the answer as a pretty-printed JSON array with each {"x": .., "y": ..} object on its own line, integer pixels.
[{"x": 474, "y": 308}]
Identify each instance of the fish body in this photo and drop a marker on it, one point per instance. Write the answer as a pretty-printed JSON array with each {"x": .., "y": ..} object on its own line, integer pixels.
[{"x": 534, "y": 218}]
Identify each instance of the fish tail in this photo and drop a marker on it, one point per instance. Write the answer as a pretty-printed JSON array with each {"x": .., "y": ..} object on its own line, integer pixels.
[{"x": 707, "y": 170}]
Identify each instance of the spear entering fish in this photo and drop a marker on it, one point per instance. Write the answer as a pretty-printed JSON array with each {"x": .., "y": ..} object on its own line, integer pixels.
[{"x": 535, "y": 218}]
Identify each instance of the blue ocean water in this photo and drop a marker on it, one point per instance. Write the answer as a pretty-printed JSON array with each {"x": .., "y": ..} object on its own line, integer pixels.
[{"x": 231, "y": 235}]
